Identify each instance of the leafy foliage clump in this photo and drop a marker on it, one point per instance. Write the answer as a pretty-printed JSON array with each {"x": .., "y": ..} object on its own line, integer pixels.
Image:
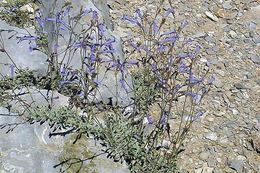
[{"x": 16, "y": 13}]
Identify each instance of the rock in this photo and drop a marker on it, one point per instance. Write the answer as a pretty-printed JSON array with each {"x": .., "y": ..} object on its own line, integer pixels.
[
  {"x": 255, "y": 58},
  {"x": 199, "y": 34},
  {"x": 210, "y": 39},
  {"x": 212, "y": 162},
  {"x": 252, "y": 26},
  {"x": 207, "y": 170},
  {"x": 204, "y": 155},
  {"x": 240, "y": 86},
  {"x": 227, "y": 5},
  {"x": 225, "y": 14},
  {"x": 217, "y": 170},
  {"x": 218, "y": 83},
  {"x": 199, "y": 170},
  {"x": 237, "y": 165},
  {"x": 256, "y": 39},
  {"x": 35, "y": 97},
  {"x": 19, "y": 53},
  {"x": 25, "y": 152},
  {"x": 211, "y": 136},
  {"x": 232, "y": 34},
  {"x": 235, "y": 112},
  {"x": 255, "y": 141},
  {"x": 211, "y": 16}
]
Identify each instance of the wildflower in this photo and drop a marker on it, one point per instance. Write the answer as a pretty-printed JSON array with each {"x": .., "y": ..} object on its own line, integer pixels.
[
  {"x": 169, "y": 39},
  {"x": 168, "y": 12},
  {"x": 161, "y": 48},
  {"x": 169, "y": 32},
  {"x": 131, "y": 20},
  {"x": 132, "y": 62},
  {"x": 197, "y": 115},
  {"x": 50, "y": 19},
  {"x": 211, "y": 80},
  {"x": 40, "y": 22},
  {"x": 95, "y": 15},
  {"x": 11, "y": 71},
  {"x": 67, "y": 10},
  {"x": 163, "y": 119},
  {"x": 150, "y": 119},
  {"x": 155, "y": 27},
  {"x": 135, "y": 46},
  {"x": 195, "y": 96},
  {"x": 183, "y": 55},
  {"x": 101, "y": 28},
  {"x": 183, "y": 68},
  {"x": 194, "y": 80},
  {"x": 63, "y": 71},
  {"x": 184, "y": 24},
  {"x": 139, "y": 13}
]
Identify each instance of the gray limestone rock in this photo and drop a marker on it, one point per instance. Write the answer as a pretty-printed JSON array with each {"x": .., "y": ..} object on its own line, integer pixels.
[
  {"x": 237, "y": 165},
  {"x": 255, "y": 58}
]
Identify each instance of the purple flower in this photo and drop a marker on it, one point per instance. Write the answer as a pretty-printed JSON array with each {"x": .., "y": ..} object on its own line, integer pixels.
[
  {"x": 184, "y": 24},
  {"x": 197, "y": 49},
  {"x": 194, "y": 80},
  {"x": 50, "y": 19},
  {"x": 183, "y": 55},
  {"x": 92, "y": 57},
  {"x": 40, "y": 22},
  {"x": 95, "y": 15},
  {"x": 169, "y": 39},
  {"x": 101, "y": 28},
  {"x": 139, "y": 13},
  {"x": 163, "y": 119},
  {"x": 169, "y": 32},
  {"x": 11, "y": 71},
  {"x": 211, "y": 80},
  {"x": 196, "y": 97},
  {"x": 109, "y": 41},
  {"x": 155, "y": 27},
  {"x": 131, "y": 20},
  {"x": 86, "y": 12},
  {"x": 132, "y": 62},
  {"x": 90, "y": 69},
  {"x": 67, "y": 10},
  {"x": 161, "y": 48},
  {"x": 106, "y": 60},
  {"x": 188, "y": 41},
  {"x": 197, "y": 115},
  {"x": 97, "y": 82},
  {"x": 137, "y": 48},
  {"x": 65, "y": 82},
  {"x": 106, "y": 51},
  {"x": 149, "y": 119},
  {"x": 81, "y": 94},
  {"x": 183, "y": 68},
  {"x": 63, "y": 71},
  {"x": 168, "y": 12},
  {"x": 63, "y": 23}
]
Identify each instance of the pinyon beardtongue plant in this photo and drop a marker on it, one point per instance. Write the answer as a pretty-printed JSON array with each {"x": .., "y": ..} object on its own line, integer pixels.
[{"x": 172, "y": 70}]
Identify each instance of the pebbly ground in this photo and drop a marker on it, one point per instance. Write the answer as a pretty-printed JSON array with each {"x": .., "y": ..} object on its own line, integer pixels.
[{"x": 227, "y": 138}]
